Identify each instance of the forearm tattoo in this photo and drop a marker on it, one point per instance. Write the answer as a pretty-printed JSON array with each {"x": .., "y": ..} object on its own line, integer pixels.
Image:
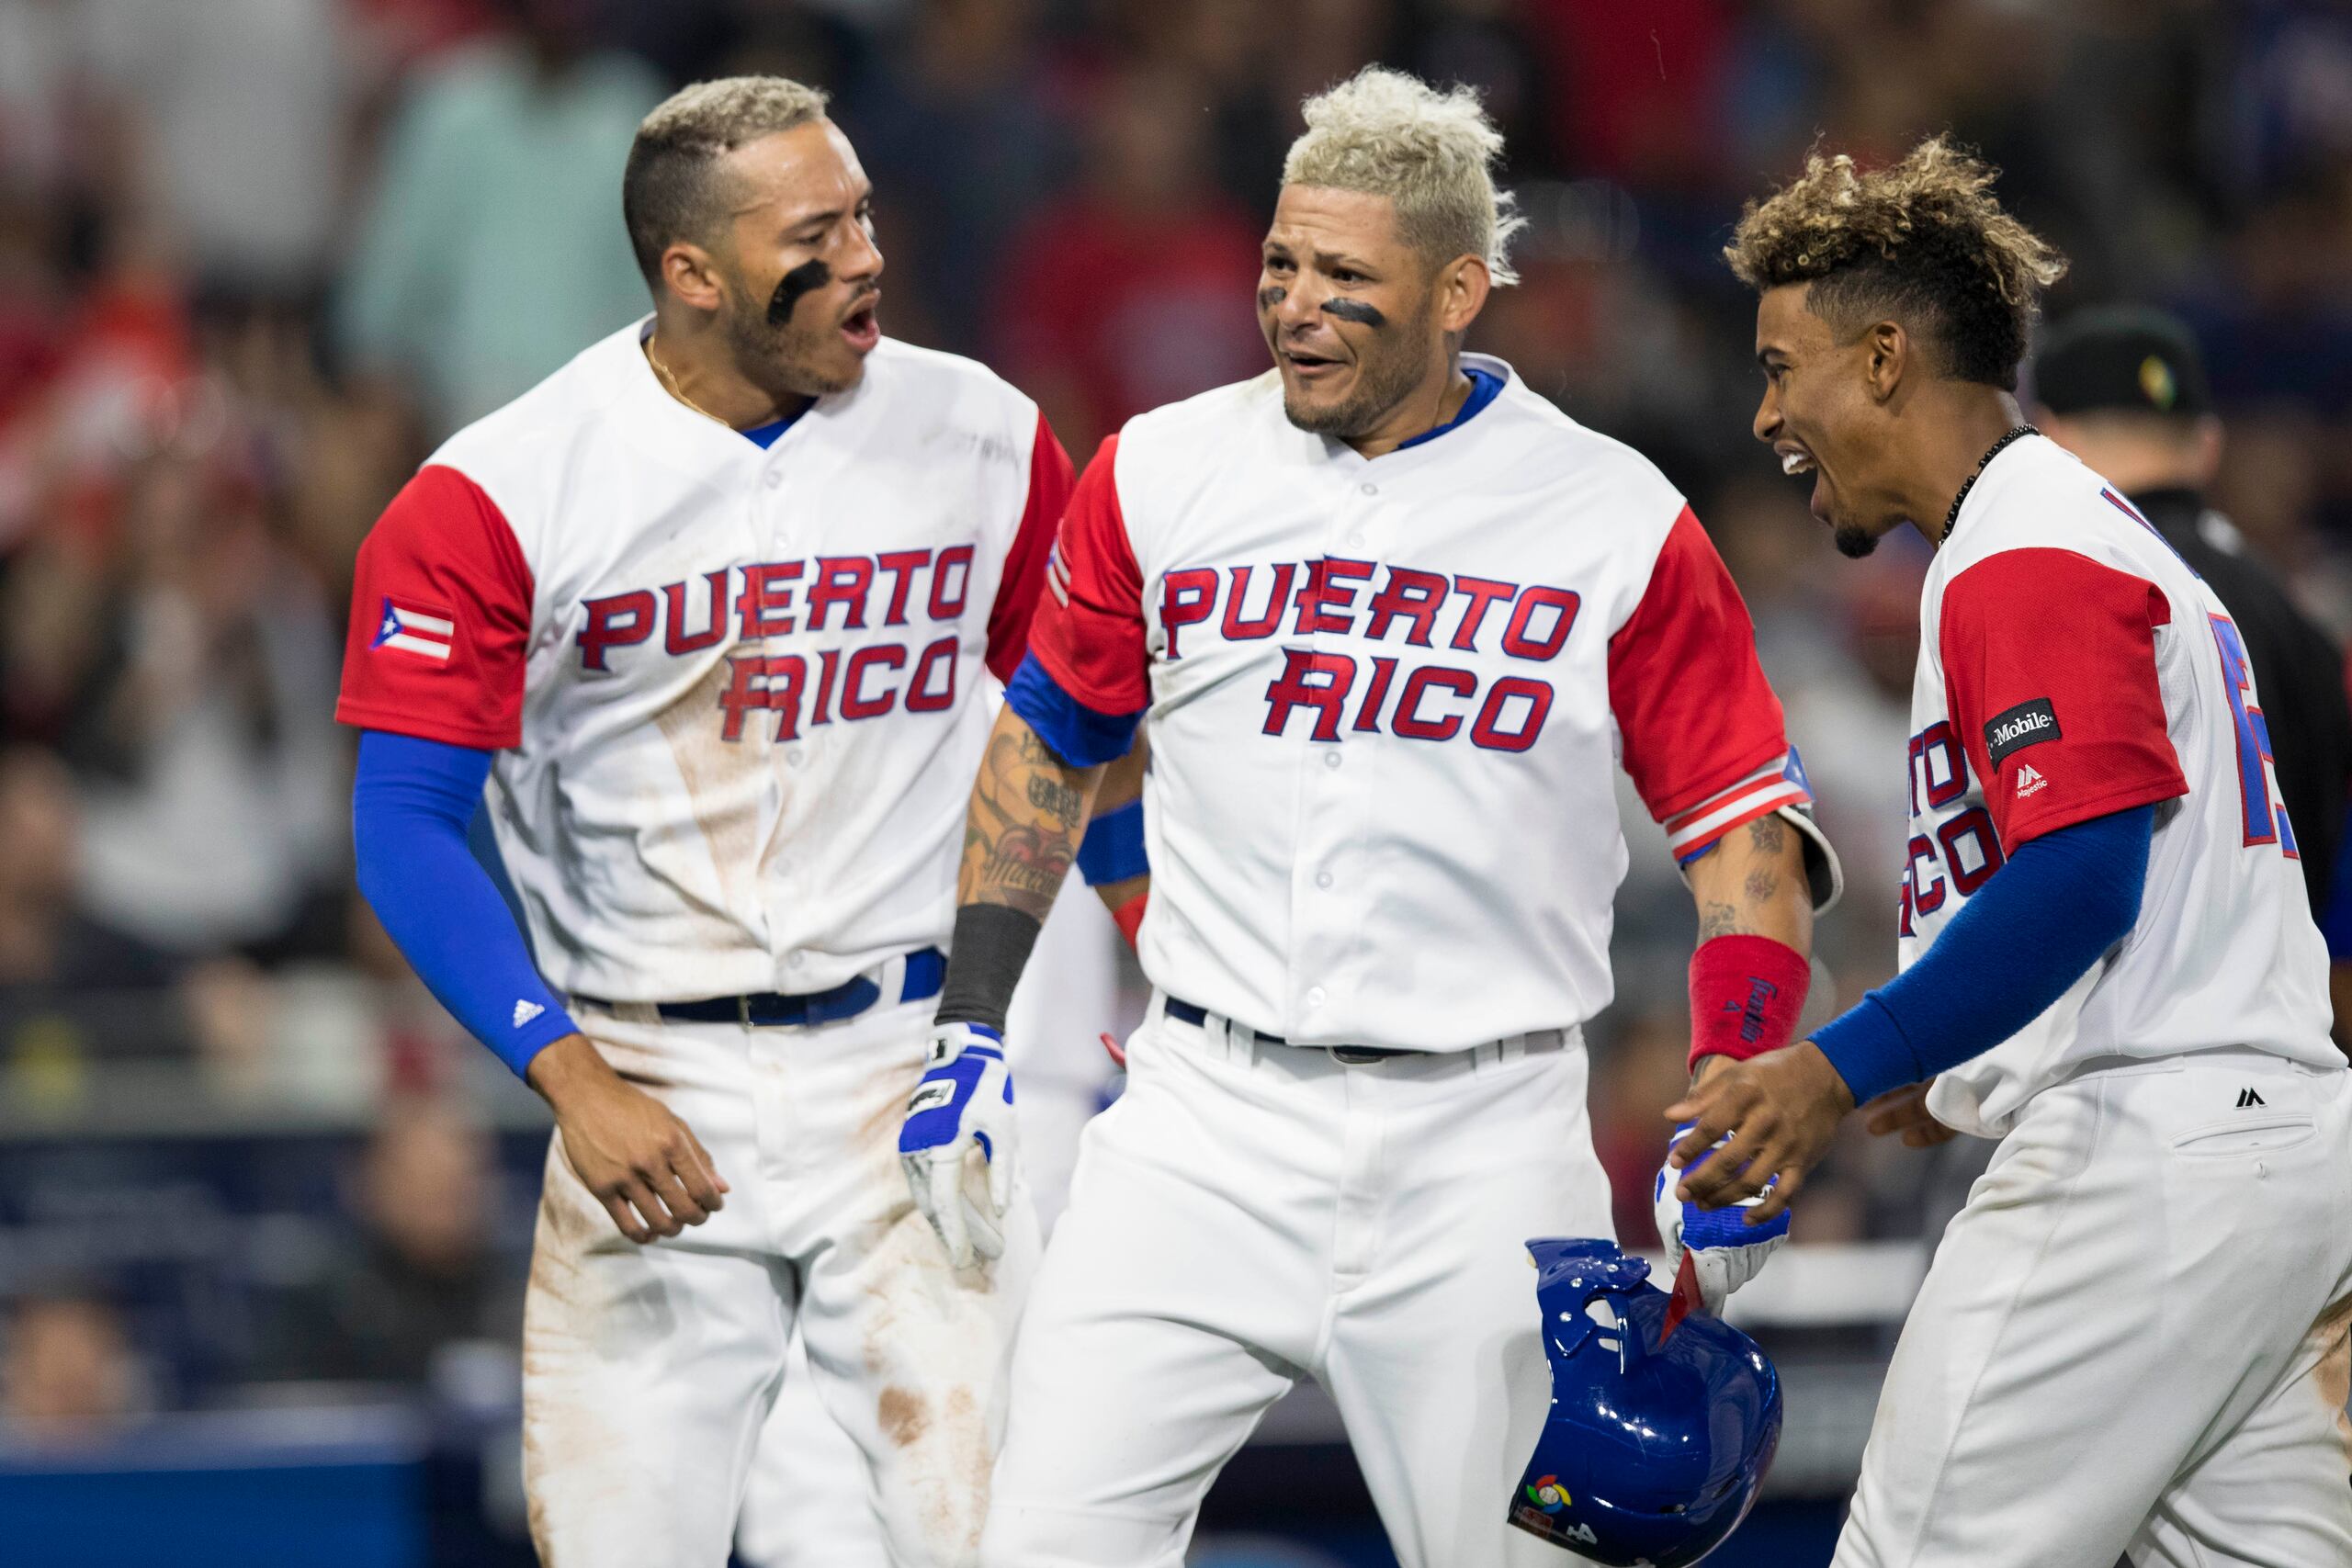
[
  {"x": 1028, "y": 814},
  {"x": 1737, "y": 909}
]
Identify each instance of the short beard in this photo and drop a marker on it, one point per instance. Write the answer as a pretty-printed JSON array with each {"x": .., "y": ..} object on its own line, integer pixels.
[
  {"x": 775, "y": 359},
  {"x": 1853, "y": 541},
  {"x": 1387, "y": 373}
]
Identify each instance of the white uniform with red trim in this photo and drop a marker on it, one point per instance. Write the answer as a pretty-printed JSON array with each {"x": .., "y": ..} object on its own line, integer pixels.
[
  {"x": 738, "y": 700},
  {"x": 1386, "y": 698},
  {"x": 2152, "y": 1280}
]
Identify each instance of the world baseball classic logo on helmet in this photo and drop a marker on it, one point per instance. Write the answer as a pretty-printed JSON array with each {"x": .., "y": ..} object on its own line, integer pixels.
[{"x": 1659, "y": 1430}]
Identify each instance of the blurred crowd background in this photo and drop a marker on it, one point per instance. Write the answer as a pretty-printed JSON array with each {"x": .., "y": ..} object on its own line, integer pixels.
[{"x": 257, "y": 256}]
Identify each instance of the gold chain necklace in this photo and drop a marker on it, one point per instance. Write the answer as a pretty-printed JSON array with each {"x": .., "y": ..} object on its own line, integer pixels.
[{"x": 669, "y": 380}]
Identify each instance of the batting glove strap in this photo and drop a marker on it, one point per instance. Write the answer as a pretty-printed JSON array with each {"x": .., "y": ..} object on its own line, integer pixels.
[
  {"x": 949, "y": 1041},
  {"x": 935, "y": 1112}
]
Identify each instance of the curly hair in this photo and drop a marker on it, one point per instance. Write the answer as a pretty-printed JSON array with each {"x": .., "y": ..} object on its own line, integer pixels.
[
  {"x": 1432, "y": 152},
  {"x": 1923, "y": 241},
  {"x": 668, "y": 189}
]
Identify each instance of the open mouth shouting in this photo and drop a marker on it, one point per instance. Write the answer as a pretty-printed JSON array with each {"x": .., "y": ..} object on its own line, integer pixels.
[
  {"x": 862, "y": 328},
  {"x": 1796, "y": 460}
]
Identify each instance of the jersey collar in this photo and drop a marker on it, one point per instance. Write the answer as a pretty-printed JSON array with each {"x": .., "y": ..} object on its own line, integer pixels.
[
  {"x": 1490, "y": 380},
  {"x": 680, "y": 424}
]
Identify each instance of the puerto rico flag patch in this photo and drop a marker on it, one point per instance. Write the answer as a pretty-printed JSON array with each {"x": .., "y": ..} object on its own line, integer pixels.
[{"x": 415, "y": 631}]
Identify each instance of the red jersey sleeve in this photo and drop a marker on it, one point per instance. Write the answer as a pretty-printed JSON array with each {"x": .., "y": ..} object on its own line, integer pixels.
[
  {"x": 1050, "y": 479},
  {"x": 440, "y": 619},
  {"x": 1704, "y": 741},
  {"x": 1089, "y": 634},
  {"x": 2050, "y": 674}
]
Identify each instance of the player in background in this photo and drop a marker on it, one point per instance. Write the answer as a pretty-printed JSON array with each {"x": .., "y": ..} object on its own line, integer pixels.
[
  {"x": 1388, "y": 618},
  {"x": 2124, "y": 390},
  {"x": 708, "y": 612},
  {"x": 2133, "y": 1338}
]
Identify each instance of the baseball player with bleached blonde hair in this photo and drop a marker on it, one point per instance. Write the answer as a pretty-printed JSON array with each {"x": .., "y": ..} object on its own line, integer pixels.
[{"x": 1390, "y": 620}]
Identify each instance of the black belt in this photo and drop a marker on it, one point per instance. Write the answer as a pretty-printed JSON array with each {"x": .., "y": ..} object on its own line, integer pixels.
[
  {"x": 1355, "y": 1056},
  {"x": 926, "y": 971}
]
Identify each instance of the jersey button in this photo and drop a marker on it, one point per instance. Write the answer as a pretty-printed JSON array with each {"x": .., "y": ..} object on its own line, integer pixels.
[
  {"x": 797, "y": 959},
  {"x": 792, "y": 757},
  {"x": 1330, "y": 759},
  {"x": 1322, "y": 879},
  {"x": 1315, "y": 997},
  {"x": 1369, "y": 488},
  {"x": 774, "y": 478}
]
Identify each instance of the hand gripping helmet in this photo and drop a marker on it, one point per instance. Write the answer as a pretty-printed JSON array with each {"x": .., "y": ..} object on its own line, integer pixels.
[{"x": 1660, "y": 1430}]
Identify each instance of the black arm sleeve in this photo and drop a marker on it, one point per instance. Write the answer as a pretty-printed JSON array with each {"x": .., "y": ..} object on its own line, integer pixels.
[{"x": 985, "y": 958}]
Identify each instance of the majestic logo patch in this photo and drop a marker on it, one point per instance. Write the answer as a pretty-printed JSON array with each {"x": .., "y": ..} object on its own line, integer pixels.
[
  {"x": 2028, "y": 724},
  {"x": 2247, "y": 1097},
  {"x": 2029, "y": 782}
]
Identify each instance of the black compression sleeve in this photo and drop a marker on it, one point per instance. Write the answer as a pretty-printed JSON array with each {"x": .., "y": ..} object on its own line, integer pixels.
[{"x": 984, "y": 962}]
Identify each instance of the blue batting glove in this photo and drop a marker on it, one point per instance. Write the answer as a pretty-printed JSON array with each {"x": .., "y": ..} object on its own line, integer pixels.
[
  {"x": 1726, "y": 1250},
  {"x": 965, "y": 1102}
]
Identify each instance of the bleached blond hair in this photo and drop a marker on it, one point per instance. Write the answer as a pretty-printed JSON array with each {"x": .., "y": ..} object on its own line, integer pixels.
[
  {"x": 670, "y": 190},
  {"x": 1432, "y": 152}
]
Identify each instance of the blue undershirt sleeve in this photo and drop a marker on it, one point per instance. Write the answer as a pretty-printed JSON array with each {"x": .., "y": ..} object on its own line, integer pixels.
[
  {"x": 2036, "y": 926},
  {"x": 410, "y": 807},
  {"x": 1076, "y": 733},
  {"x": 1112, "y": 849}
]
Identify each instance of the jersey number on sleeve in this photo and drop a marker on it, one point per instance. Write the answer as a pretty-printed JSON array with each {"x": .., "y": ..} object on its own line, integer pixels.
[{"x": 2265, "y": 823}]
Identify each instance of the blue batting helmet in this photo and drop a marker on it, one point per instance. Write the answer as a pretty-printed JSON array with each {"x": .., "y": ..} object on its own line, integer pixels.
[{"x": 1657, "y": 1441}]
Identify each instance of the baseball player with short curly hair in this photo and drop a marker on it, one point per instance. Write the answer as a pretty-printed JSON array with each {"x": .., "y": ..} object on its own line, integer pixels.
[
  {"x": 711, "y": 612},
  {"x": 1390, "y": 620},
  {"x": 2133, "y": 1338}
]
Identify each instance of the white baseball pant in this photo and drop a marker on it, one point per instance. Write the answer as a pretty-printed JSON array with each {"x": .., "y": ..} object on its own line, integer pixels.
[
  {"x": 2131, "y": 1340},
  {"x": 804, "y": 1505},
  {"x": 1247, "y": 1214},
  {"x": 649, "y": 1372}
]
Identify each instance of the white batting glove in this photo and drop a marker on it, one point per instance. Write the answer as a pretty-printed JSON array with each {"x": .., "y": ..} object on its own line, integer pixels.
[
  {"x": 965, "y": 1101},
  {"x": 1726, "y": 1250}
]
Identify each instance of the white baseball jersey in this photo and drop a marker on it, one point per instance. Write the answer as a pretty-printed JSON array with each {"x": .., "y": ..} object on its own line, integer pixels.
[
  {"x": 2071, "y": 666},
  {"x": 1386, "y": 696},
  {"x": 736, "y": 691}
]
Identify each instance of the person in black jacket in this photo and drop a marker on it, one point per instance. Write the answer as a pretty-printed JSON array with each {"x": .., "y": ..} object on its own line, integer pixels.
[{"x": 2124, "y": 390}]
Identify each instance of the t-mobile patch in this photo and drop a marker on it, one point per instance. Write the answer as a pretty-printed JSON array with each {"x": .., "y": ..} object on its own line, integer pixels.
[{"x": 2028, "y": 724}]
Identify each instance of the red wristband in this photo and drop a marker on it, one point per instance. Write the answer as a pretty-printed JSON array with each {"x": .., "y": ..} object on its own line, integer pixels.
[
  {"x": 1746, "y": 993},
  {"x": 1130, "y": 915}
]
